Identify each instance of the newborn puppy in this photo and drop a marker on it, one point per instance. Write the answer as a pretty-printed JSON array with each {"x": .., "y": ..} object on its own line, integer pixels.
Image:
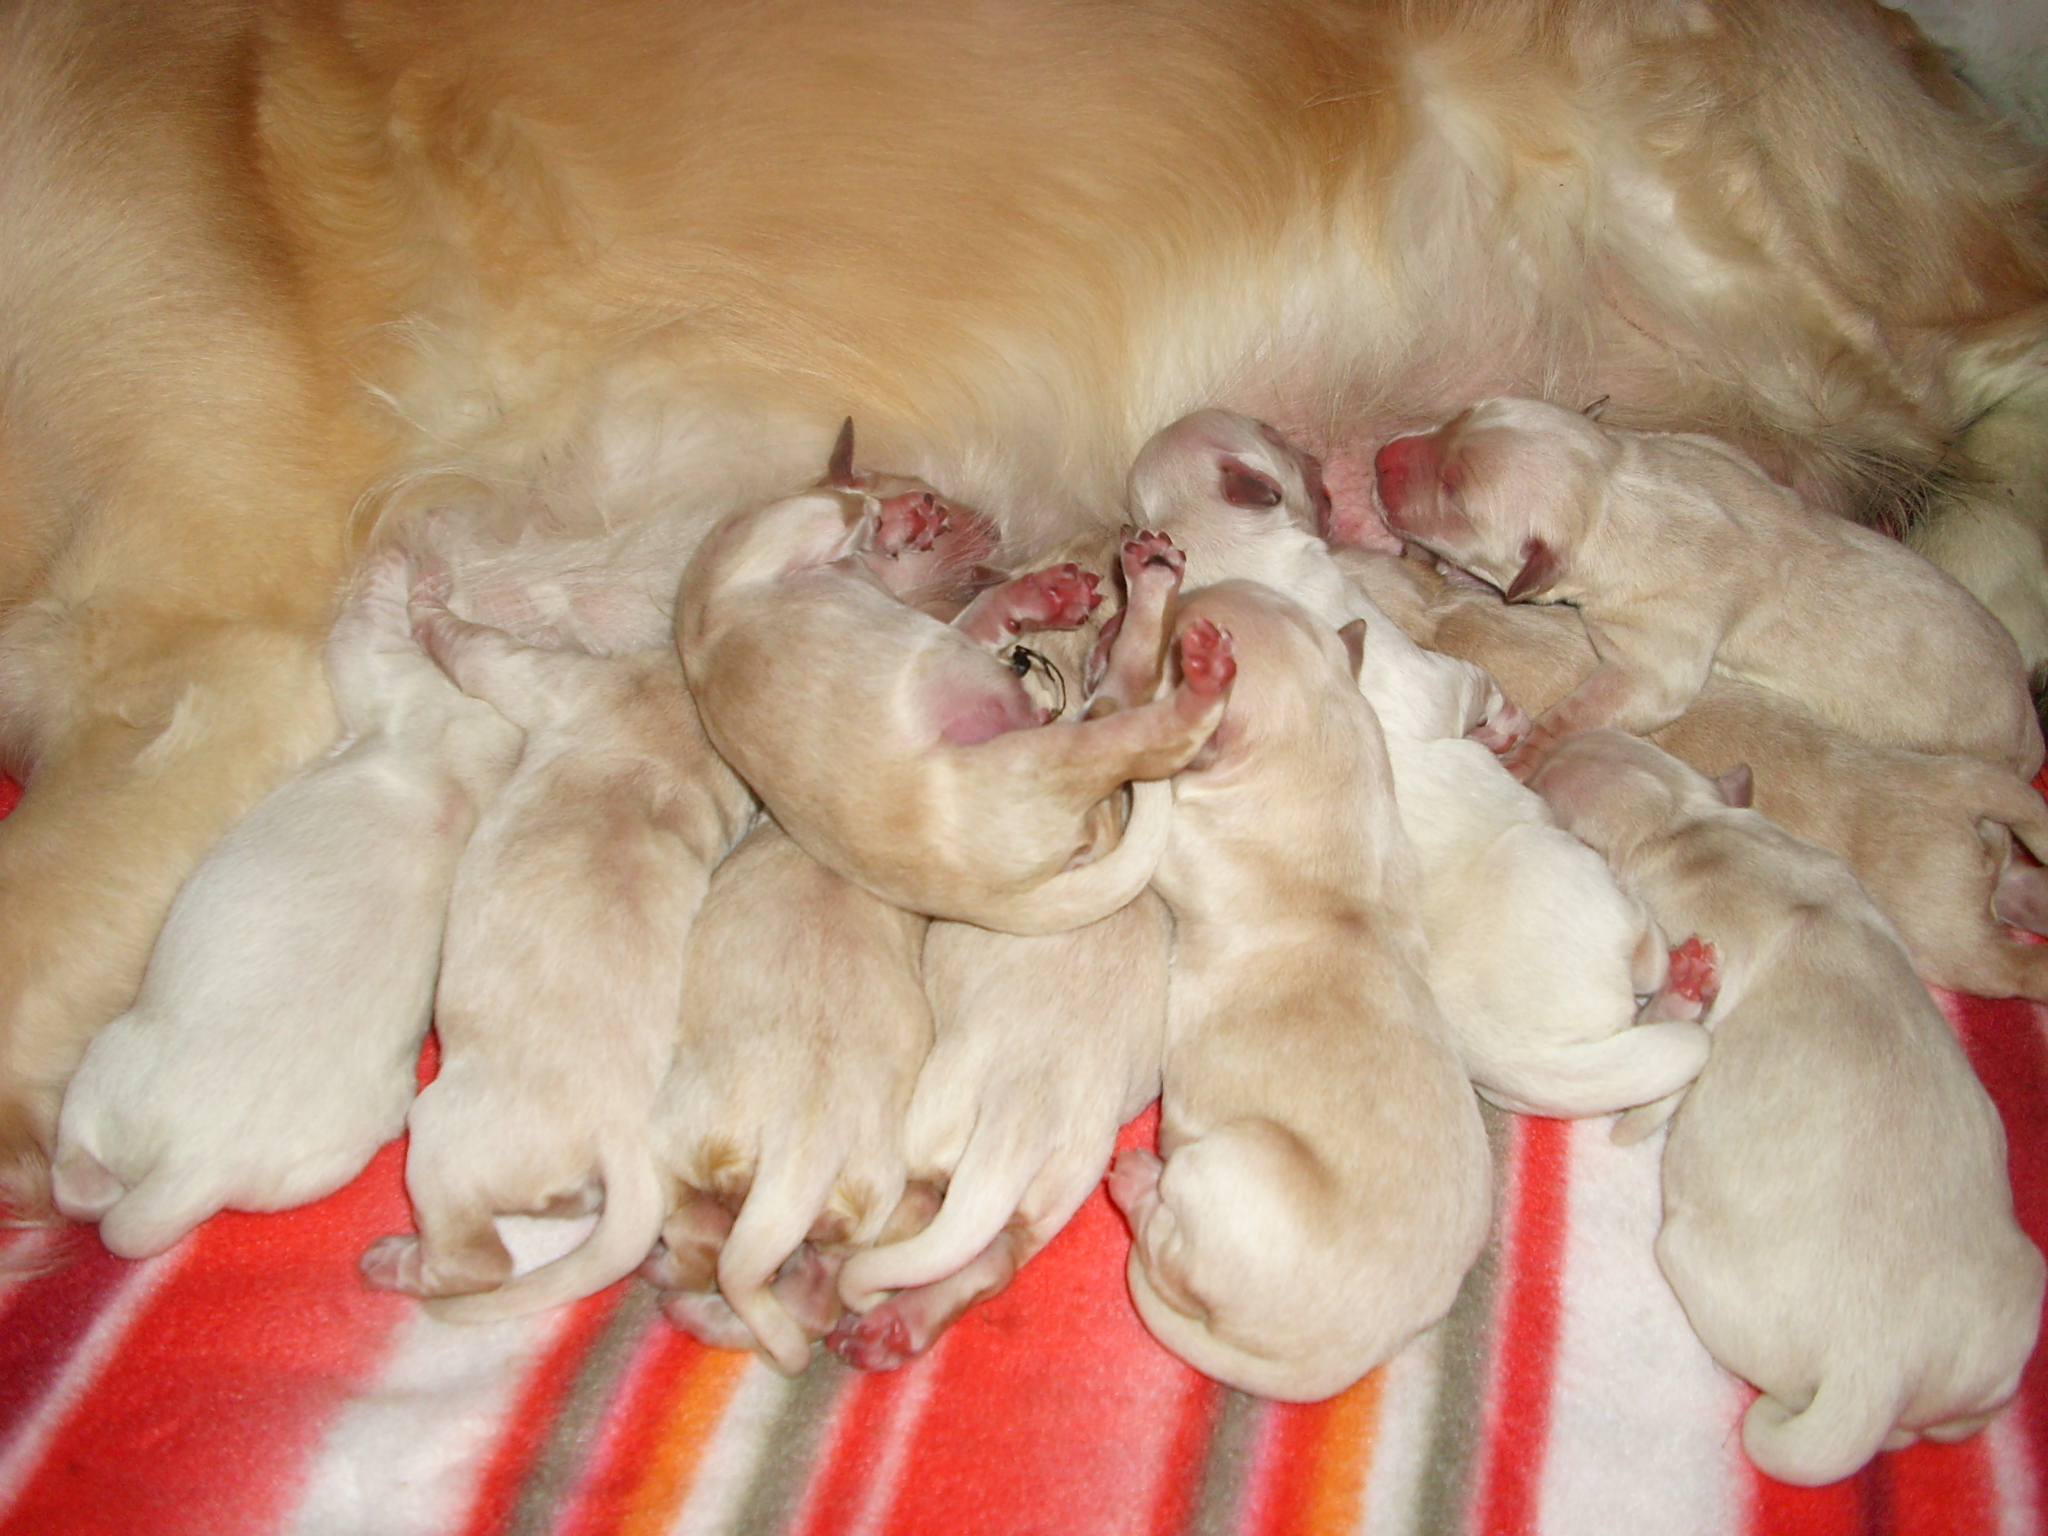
[
  {"x": 1683, "y": 556},
  {"x": 1325, "y": 1180},
  {"x": 1929, "y": 837},
  {"x": 1535, "y": 957},
  {"x": 803, "y": 1028},
  {"x": 924, "y": 773},
  {"x": 1837, "y": 1219},
  {"x": 1045, "y": 1047},
  {"x": 563, "y": 971},
  {"x": 273, "y": 1046}
]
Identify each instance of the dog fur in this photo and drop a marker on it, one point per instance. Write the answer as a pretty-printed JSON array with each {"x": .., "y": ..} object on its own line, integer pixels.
[
  {"x": 1682, "y": 556},
  {"x": 275, "y": 1042},
  {"x": 280, "y": 268},
  {"x": 1322, "y": 1183},
  {"x": 1838, "y": 1223},
  {"x": 1931, "y": 838},
  {"x": 562, "y": 975}
]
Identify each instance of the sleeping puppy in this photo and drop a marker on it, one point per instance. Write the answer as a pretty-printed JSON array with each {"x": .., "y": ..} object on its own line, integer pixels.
[
  {"x": 925, "y": 773},
  {"x": 1683, "y": 556},
  {"x": 803, "y": 1028},
  {"x": 273, "y": 1047},
  {"x": 1324, "y": 1183},
  {"x": 563, "y": 971},
  {"x": 1837, "y": 1219},
  {"x": 1536, "y": 959},
  {"x": 1929, "y": 837},
  {"x": 1045, "y": 1047}
]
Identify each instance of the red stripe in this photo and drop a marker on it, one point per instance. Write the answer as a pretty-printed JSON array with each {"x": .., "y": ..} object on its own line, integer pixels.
[
  {"x": 206, "y": 1417},
  {"x": 45, "y": 1320},
  {"x": 1941, "y": 1490},
  {"x": 1846, "y": 1508},
  {"x": 1532, "y": 1248},
  {"x": 532, "y": 1416},
  {"x": 10, "y": 794}
]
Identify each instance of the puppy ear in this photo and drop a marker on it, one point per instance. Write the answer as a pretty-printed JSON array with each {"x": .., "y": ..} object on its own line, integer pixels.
[
  {"x": 839, "y": 470},
  {"x": 1737, "y": 786},
  {"x": 1353, "y": 636},
  {"x": 1540, "y": 567},
  {"x": 1244, "y": 486},
  {"x": 1594, "y": 411}
]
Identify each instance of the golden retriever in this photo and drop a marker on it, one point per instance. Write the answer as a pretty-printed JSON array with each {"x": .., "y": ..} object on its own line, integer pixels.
[{"x": 279, "y": 270}]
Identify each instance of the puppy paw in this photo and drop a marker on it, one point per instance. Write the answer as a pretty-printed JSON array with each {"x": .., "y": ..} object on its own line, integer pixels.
[
  {"x": 878, "y": 1342},
  {"x": 1503, "y": 730},
  {"x": 1134, "y": 1183},
  {"x": 1207, "y": 661},
  {"x": 705, "y": 1317},
  {"x": 1147, "y": 549},
  {"x": 392, "y": 1264},
  {"x": 912, "y": 520},
  {"x": 1690, "y": 986}
]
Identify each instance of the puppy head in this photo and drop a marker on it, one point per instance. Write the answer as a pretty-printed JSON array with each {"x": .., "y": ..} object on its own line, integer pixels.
[
  {"x": 1617, "y": 792},
  {"x": 1223, "y": 485},
  {"x": 1504, "y": 490}
]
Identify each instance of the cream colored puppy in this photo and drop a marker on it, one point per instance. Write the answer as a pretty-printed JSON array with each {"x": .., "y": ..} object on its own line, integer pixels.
[
  {"x": 1837, "y": 1219},
  {"x": 1537, "y": 960},
  {"x": 1929, "y": 837},
  {"x": 1324, "y": 1184},
  {"x": 804, "y": 1024},
  {"x": 563, "y": 971},
  {"x": 274, "y": 1045},
  {"x": 925, "y": 773},
  {"x": 1682, "y": 556}
]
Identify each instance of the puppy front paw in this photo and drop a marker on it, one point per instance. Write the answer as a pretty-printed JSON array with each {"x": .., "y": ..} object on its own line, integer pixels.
[
  {"x": 912, "y": 520},
  {"x": 1503, "y": 729}
]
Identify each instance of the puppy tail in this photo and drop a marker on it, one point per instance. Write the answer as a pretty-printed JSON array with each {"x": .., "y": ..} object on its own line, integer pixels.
[
  {"x": 981, "y": 1197},
  {"x": 788, "y": 1194},
  {"x": 1833, "y": 1437},
  {"x": 635, "y": 1202},
  {"x": 1075, "y": 898}
]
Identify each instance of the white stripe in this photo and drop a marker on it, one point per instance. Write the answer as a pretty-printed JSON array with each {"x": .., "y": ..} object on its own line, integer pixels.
[
  {"x": 404, "y": 1456},
  {"x": 23, "y": 1453},
  {"x": 1400, "y": 1452},
  {"x": 1642, "y": 1422},
  {"x": 727, "y": 1464},
  {"x": 2013, "y": 1475}
]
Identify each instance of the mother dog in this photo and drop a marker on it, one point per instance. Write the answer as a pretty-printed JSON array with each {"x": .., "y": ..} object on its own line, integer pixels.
[{"x": 274, "y": 272}]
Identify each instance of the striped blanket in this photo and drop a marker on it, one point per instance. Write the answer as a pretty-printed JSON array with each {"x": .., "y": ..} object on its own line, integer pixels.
[{"x": 248, "y": 1382}]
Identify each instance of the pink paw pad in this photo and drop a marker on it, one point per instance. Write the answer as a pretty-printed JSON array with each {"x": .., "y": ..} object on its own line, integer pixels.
[
  {"x": 1146, "y": 548},
  {"x": 912, "y": 520},
  {"x": 1695, "y": 971},
  {"x": 1059, "y": 597},
  {"x": 1207, "y": 662},
  {"x": 1503, "y": 730},
  {"x": 877, "y": 1342}
]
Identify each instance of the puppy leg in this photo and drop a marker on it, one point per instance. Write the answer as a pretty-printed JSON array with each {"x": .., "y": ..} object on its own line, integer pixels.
[
  {"x": 1059, "y": 597},
  {"x": 896, "y": 1331}
]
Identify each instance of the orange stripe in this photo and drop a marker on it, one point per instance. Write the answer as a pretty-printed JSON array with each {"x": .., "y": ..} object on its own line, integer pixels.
[
  {"x": 1350, "y": 1428},
  {"x": 668, "y": 1466}
]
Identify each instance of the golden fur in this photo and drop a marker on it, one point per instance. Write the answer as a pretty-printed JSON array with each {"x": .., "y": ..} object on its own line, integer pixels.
[{"x": 278, "y": 271}]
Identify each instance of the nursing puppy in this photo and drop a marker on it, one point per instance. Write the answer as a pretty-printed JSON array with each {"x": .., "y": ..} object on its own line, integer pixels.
[
  {"x": 1837, "y": 1219},
  {"x": 1324, "y": 1184},
  {"x": 562, "y": 973},
  {"x": 1536, "y": 959},
  {"x": 803, "y": 1028},
  {"x": 1683, "y": 556},
  {"x": 1929, "y": 837},
  {"x": 273, "y": 1047},
  {"x": 278, "y": 269},
  {"x": 925, "y": 774}
]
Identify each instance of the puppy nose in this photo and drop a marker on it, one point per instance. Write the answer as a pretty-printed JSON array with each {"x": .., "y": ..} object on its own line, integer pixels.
[{"x": 1404, "y": 468}]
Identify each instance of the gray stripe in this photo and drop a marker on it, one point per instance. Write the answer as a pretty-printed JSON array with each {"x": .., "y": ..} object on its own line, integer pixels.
[
  {"x": 1226, "y": 1464},
  {"x": 790, "y": 1447}
]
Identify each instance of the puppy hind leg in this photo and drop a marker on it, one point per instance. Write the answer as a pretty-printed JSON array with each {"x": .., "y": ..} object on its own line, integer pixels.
[
  {"x": 788, "y": 1194},
  {"x": 157, "y": 1213},
  {"x": 896, "y": 1331}
]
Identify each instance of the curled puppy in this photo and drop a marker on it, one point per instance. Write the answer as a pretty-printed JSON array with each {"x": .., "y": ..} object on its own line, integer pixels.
[
  {"x": 563, "y": 971},
  {"x": 1535, "y": 957},
  {"x": 803, "y": 1028},
  {"x": 1930, "y": 837},
  {"x": 1682, "y": 556},
  {"x": 273, "y": 1047},
  {"x": 1045, "y": 1046},
  {"x": 1324, "y": 1183},
  {"x": 925, "y": 773},
  {"x": 1838, "y": 1223}
]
